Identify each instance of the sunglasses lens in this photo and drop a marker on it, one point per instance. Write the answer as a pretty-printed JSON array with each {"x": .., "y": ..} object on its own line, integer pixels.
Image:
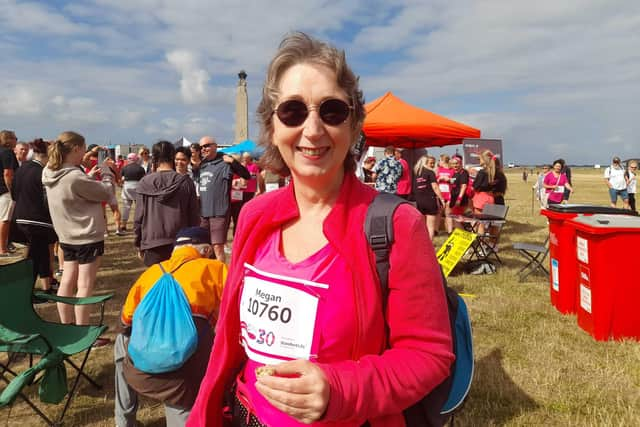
[
  {"x": 292, "y": 113},
  {"x": 334, "y": 112}
]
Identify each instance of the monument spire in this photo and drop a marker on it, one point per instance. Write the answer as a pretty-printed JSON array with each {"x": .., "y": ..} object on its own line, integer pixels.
[{"x": 242, "y": 109}]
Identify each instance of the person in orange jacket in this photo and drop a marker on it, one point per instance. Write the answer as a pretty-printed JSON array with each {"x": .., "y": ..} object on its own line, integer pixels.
[{"x": 202, "y": 280}]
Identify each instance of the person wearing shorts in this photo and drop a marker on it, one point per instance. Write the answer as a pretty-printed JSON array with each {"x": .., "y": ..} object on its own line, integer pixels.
[
  {"x": 617, "y": 179},
  {"x": 8, "y": 165},
  {"x": 217, "y": 226},
  {"x": 429, "y": 200},
  {"x": 216, "y": 173},
  {"x": 83, "y": 254},
  {"x": 75, "y": 203}
]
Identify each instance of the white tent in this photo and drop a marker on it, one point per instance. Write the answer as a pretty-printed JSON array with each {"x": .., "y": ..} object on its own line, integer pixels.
[{"x": 184, "y": 142}]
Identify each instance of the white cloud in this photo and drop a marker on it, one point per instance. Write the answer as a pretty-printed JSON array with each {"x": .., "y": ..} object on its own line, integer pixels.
[
  {"x": 128, "y": 119},
  {"x": 78, "y": 111},
  {"x": 194, "y": 79},
  {"x": 543, "y": 76},
  {"x": 27, "y": 17},
  {"x": 192, "y": 127},
  {"x": 17, "y": 100}
]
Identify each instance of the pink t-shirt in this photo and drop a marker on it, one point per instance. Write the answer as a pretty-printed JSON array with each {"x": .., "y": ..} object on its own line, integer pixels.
[
  {"x": 252, "y": 184},
  {"x": 443, "y": 185},
  {"x": 404, "y": 183},
  {"x": 323, "y": 317},
  {"x": 557, "y": 193}
]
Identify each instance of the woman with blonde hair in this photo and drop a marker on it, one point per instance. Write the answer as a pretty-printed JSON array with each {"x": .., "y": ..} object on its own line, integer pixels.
[
  {"x": 429, "y": 200},
  {"x": 483, "y": 182},
  {"x": 74, "y": 200}
]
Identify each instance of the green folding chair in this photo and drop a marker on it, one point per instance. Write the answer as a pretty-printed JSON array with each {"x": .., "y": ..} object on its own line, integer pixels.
[{"x": 23, "y": 331}]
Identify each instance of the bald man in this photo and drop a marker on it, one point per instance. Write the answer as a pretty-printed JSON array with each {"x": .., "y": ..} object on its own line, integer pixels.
[{"x": 216, "y": 173}]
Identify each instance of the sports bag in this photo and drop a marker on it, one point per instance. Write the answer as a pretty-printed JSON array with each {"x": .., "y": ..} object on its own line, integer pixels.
[
  {"x": 434, "y": 408},
  {"x": 163, "y": 334}
]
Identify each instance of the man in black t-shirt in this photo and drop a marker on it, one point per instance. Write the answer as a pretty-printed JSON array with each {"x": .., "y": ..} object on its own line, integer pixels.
[{"x": 8, "y": 164}]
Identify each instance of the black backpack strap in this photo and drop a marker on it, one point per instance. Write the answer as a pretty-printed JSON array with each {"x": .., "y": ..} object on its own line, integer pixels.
[{"x": 378, "y": 228}]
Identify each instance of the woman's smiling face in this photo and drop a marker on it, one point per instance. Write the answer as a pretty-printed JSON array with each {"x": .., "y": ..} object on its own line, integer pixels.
[{"x": 313, "y": 149}]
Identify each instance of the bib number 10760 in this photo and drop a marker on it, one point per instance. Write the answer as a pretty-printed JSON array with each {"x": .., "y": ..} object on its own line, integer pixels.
[{"x": 272, "y": 312}]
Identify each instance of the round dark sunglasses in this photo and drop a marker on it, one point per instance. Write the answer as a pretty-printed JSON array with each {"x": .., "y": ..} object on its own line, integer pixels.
[{"x": 293, "y": 113}]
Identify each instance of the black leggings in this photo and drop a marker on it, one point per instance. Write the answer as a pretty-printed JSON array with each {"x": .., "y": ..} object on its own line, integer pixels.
[{"x": 39, "y": 239}]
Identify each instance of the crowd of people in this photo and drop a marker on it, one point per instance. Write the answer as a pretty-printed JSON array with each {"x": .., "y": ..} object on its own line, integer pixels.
[
  {"x": 293, "y": 330},
  {"x": 554, "y": 185},
  {"x": 440, "y": 192},
  {"x": 296, "y": 252}
]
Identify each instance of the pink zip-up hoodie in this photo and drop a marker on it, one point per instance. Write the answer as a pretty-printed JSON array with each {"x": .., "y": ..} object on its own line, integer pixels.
[{"x": 377, "y": 383}]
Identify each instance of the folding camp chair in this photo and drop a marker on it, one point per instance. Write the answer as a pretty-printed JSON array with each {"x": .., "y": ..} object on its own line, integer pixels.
[
  {"x": 23, "y": 331},
  {"x": 535, "y": 255},
  {"x": 492, "y": 218}
]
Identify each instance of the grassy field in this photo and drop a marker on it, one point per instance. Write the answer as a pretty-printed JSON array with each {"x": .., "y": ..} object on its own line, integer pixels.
[{"x": 534, "y": 366}]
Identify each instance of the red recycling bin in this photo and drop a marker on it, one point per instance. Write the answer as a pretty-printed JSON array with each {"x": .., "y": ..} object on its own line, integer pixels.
[
  {"x": 562, "y": 277},
  {"x": 562, "y": 240},
  {"x": 606, "y": 263}
]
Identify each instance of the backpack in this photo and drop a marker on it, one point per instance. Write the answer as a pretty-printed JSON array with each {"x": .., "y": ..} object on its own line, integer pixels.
[
  {"x": 163, "y": 334},
  {"x": 434, "y": 408}
]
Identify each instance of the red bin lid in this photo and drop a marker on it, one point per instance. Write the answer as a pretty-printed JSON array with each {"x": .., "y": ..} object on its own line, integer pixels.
[{"x": 606, "y": 224}]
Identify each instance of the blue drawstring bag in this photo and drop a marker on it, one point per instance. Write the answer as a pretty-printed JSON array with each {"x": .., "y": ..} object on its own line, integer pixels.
[{"x": 163, "y": 335}]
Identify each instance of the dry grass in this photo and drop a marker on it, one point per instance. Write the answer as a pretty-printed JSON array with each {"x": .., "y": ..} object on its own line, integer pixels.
[{"x": 534, "y": 366}]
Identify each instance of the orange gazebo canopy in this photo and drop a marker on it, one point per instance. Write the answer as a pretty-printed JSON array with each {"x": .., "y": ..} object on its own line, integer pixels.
[{"x": 391, "y": 121}]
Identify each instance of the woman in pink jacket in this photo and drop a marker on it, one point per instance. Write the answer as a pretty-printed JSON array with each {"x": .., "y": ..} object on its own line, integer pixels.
[{"x": 302, "y": 337}]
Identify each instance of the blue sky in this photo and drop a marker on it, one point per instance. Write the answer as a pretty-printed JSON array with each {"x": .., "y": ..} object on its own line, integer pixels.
[{"x": 552, "y": 79}]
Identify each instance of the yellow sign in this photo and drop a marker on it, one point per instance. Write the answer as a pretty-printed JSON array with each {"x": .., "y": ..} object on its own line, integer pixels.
[{"x": 454, "y": 249}]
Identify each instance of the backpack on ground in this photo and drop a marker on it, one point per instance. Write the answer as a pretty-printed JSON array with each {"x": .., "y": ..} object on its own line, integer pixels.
[
  {"x": 480, "y": 267},
  {"x": 434, "y": 408},
  {"x": 163, "y": 334}
]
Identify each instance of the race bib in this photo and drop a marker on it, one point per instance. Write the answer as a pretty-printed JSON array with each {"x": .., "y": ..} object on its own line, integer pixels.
[
  {"x": 444, "y": 188},
  {"x": 236, "y": 195},
  {"x": 271, "y": 186},
  {"x": 278, "y": 316},
  {"x": 559, "y": 189}
]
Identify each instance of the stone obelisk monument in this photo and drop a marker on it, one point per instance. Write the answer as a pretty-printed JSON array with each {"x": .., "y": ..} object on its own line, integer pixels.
[{"x": 242, "y": 109}]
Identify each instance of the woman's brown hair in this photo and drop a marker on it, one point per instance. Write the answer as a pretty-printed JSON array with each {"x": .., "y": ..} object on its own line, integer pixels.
[{"x": 300, "y": 48}]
